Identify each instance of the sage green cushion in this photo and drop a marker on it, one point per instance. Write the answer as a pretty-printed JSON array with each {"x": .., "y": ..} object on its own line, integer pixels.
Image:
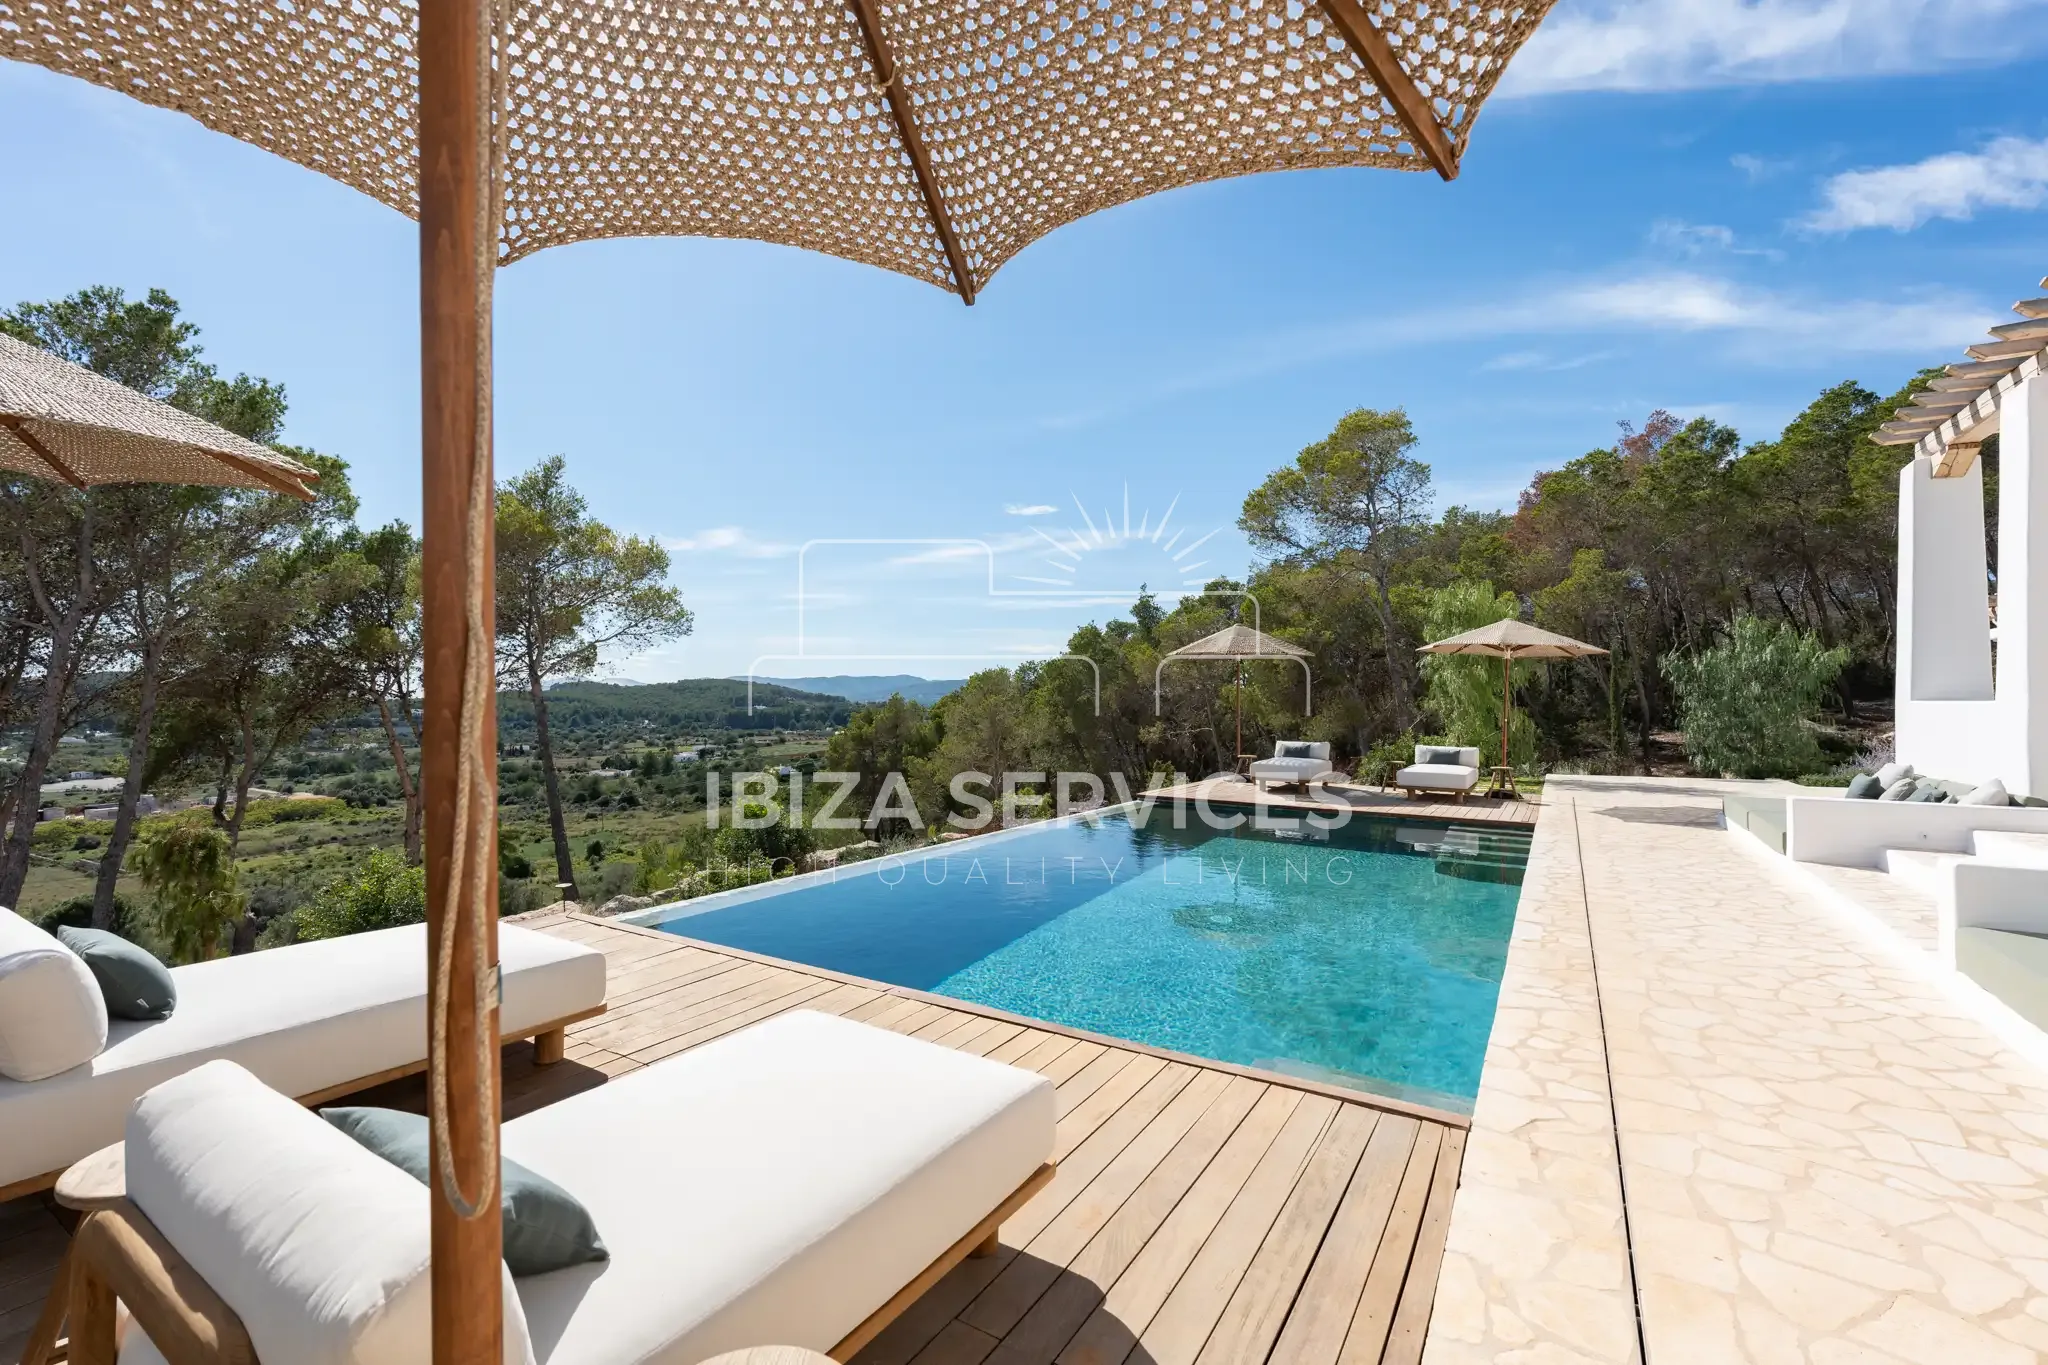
[
  {"x": 545, "y": 1228},
  {"x": 1864, "y": 787},
  {"x": 135, "y": 984},
  {"x": 1929, "y": 793}
]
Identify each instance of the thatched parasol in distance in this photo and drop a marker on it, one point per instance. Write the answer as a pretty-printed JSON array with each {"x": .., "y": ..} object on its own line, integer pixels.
[
  {"x": 1237, "y": 644},
  {"x": 1508, "y": 641},
  {"x": 936, "y": 139}
]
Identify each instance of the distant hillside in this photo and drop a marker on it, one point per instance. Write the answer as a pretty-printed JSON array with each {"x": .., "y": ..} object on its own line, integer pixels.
[
  {"x": 869, "y": 687},
  {"x": 692, "y": 704}
]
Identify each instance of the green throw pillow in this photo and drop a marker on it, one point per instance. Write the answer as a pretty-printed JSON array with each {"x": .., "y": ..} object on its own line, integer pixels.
[
  {"x": 1864, "y": 787},
  {"x": 545, "y": 1228},
  {"x": 1929, "y": 793},
  {"x": 135, "y": 984}
]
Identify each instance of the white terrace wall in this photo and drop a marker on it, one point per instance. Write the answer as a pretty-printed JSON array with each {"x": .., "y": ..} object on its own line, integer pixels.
[{"x": 1954, "y": 719}]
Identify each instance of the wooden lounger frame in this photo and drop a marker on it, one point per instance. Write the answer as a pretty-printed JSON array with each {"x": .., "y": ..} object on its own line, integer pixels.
[
  {"x": 118, "y": 1255},
  {"x": 549, "y": 1041}
]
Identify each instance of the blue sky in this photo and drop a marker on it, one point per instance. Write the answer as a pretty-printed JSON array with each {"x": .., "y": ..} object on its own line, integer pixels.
[{"x": 1703, "y": 205}]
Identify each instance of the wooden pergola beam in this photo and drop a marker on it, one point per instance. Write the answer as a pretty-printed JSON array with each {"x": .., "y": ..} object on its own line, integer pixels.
[
  {"x": 1956, "y": 459},
  {"x": 1411, "y": 106},
  {"x": 41, "y": 451},
  {"x": 886, "y": 77},
  {"x": 2006, "y": 348}
]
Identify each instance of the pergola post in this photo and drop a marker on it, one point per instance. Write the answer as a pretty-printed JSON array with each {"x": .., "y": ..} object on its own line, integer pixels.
[{"x": 458, "y": 758}]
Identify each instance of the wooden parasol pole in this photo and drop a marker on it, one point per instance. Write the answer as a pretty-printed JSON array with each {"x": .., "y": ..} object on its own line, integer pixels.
[
  {"x": 458, "y": 758},
  {"x": 1507, "y": 701}
]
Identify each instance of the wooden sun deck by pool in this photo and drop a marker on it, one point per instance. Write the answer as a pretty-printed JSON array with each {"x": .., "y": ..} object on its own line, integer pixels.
[{"x": 1202, "y": 1213}]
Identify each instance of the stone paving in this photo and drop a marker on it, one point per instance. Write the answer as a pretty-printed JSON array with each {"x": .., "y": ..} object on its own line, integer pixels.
[{"x": 1821, "y": 1155}]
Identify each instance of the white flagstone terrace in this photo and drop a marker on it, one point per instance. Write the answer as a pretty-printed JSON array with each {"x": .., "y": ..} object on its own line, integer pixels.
[{"x": 1725, "y": 1120}]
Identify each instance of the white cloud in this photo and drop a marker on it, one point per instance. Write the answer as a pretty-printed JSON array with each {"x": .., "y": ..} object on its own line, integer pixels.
[
  {"x": 1683, "y": 301},
  {"x": 1755, "y": 326},
  {"x": 1543, "y": 361},
  {"x": 1703, "y": 239},
  {"x": 2009, "y": 173},
  {"x": 1691, "y": 44},
  {"x": 1032, "y": 509},
  {"x": 1691, "y": 238},
  {"x": 732, "y": 540},
  {"x": 1760, "y": 168}
]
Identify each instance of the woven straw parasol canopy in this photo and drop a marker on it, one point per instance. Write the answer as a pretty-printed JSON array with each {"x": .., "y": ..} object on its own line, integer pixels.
[
  {"x": 1239, "y": 642},
  {"x": 1512, "y": 639},
  {"x": 61, "y": 421},
  {"x": 1508, "y": 641},
  {"x": 937, "y": 138}
]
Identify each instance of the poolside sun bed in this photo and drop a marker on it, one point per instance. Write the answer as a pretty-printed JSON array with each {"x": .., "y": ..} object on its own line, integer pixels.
[
  {"x": 800, "y": 1182},
  {"x": 1290, "y": 768},
  {"x": 313, "y": 1020},
  {"x": 1440, "y": 770}
]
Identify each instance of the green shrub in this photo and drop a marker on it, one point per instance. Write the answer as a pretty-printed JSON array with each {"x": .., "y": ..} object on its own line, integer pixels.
[
  {"x": 1465, "y": 690},
  {"x": 382, "y": 894},
  {"x": 76, "y": 913},
  {"x": 1747, "y": 705},
  {"x": 190, "y": 873},
  {"x": 286, "y": 810}
]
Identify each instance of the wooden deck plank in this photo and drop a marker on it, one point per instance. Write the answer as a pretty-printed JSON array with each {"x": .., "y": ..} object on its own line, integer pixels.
[
  {"x": 1258, "y": 1309},
  {"x": 1202, "y": 1215},
  {"x": 1366, "y": 1336},
  {"x": 1411, "y": 1319},
  {"x": 1031, "y": 1335},
  {"x": 999, "y": 1036},
  {"x": 956, "y": 1344},
  {"x": 1331, "y": 1294},
  {"x": 1181, "y": 1327},
  {"x": 1143, "y": 1285},
  {"x": 1100, "y": 1233},
  {"x": 1078, "y": 1088},
  {"x": 999, "y": 1307}
]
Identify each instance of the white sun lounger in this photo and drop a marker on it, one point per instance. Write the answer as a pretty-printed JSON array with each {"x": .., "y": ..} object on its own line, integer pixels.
[
  {"x": 801, "y": 1182},
  {"x": 1438, "y": 776},
  {"x": 313, "y": 1020},
  {"x": 1292, "y": 771}
]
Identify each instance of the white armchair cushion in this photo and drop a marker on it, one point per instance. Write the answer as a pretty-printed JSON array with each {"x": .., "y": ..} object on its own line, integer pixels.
[
  {"x": 778, "y": 1185},
  {"x": 1438, "y": 776},
  {"x": 52, "y": 1015},
  {"x": 303, "y": 1019},
  {"x": 319, "y": 1246}
]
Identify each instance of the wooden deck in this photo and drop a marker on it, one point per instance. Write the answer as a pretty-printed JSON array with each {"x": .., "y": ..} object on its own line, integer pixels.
[
  {"x": 1202, "y": 1214},
  {"x": 1369, "y": 800}
]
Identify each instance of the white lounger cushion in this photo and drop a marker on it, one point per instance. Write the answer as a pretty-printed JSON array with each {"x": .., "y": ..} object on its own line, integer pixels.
[
  {"x": 778, "y": 1185},
  {"x": 52, "y": 1015},
  {"x": 320, "y": 1246},
  {"x": 302, "y": 1018},
  {"x": 1437, "y": 776},
  {"x": 1289, "y": 769}
]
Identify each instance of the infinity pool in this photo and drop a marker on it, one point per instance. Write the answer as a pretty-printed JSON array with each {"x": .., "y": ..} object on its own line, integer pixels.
[{"x": 1369, "y": 955}]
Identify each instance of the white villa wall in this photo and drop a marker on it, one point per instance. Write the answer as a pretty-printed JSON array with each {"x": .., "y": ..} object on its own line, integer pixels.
[{"x": 1954, "y": 719}]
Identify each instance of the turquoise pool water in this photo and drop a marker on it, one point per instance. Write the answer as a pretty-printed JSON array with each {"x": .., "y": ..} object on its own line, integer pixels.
[{"x": 1369, "y": 955}]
